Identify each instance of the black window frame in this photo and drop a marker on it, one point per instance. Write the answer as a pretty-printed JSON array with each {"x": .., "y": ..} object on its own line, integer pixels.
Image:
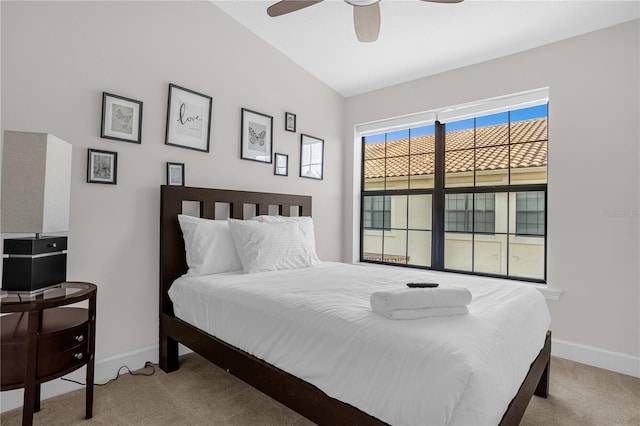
[{"x": 438, "y": 193}]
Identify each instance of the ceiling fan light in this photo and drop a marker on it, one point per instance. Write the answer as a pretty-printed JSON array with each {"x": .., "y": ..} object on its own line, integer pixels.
[{"x": 361, "y": 2}]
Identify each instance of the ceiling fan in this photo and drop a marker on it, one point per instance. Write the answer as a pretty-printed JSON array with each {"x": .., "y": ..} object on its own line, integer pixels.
[{"x": 366, "y": 14}]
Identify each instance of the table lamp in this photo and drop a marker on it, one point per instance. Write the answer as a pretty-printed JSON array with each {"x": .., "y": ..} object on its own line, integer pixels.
[{"x": 36, "y": 190}]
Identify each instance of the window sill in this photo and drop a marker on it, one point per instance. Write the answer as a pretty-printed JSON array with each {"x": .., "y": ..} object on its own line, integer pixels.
[{"x": 549, "y": 293}]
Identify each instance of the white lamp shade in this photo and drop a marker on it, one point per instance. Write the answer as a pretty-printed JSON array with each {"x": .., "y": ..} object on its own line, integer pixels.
[{"x": 36, "y": 183}]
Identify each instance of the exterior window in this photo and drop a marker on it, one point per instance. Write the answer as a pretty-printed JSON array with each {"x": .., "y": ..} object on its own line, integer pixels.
[
  {"x": 530, "y": 213},
  {"x": 377, "y": 212},
  {"x": 466, "y": 196},
  {"x": 460, "y": 213}
]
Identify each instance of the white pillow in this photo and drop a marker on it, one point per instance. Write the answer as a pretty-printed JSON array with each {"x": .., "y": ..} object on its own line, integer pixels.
[
  {"x": 305, "y": 223},
  {"x": 270, "y": 246},
  {"x": 209, "y": 246}
]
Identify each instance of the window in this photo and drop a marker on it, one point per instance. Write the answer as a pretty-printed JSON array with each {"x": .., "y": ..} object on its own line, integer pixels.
[
  {"x": 459, "y": 195},
  {"x": 530, "y": 213},
  {"x": 460, "y": 213},
  {"x": 377, "y": 212}
]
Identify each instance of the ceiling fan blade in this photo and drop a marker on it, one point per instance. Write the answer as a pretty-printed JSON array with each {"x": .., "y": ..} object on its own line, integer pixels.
[
  {"x": 444, "y": 1},
  {"x": 366, "y": 20},
  {"x": 287, "y": 6}
]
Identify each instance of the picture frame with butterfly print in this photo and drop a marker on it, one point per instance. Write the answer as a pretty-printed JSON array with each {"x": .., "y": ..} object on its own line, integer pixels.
[
  {"x": 121, "y": 118},
  {"x": 256, "y": 136},
  {"x": 188, "y": 119}
]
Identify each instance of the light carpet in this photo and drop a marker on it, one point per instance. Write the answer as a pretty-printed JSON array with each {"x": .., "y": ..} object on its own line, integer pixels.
[{"x": 200, "y": 393}]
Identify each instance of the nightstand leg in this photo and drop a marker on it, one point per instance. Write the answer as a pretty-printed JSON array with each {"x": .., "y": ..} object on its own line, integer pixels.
[
  {"x": 30, "y": 387},
  {"x": 91, "y": 363},
  {"x": 36, "y": 405}
]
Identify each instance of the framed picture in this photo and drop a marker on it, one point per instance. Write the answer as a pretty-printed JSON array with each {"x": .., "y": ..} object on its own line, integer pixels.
[
  {"x": 102, "y": 166},
  {"x": 121, "y": 118},
  {"x": 188, "y": 119},
  {"x": 175, "y": 174},
  {"x": 281, "y": 164},
  {"x": 289, "y": 122},
  {"x": 311, "y": 156},
  {"x": 256, "y": 136}
]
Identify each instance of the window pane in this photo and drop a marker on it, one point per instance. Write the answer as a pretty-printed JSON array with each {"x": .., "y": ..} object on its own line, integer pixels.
[
  {"x": 460, "y": 135},
  {"x": 397, "y": 171},
  {"x": 485, "y": 213},
  {"x": 372, "y": 245},
  {"x": 529, "y": 213},
  {"x": 458, "y": 251},
  {"x": 396, "y": 210},
  {"x": 395, "y": 246},
  {"x": 374, "y": 147},
  {"x": 422, "y": 171},
  {"x": 419, "y": 248},
  {"x": 420, "y": 212},
  {"x": 490, "y": 254},
  {"x": 377, "y": 212},
  {"x": 399, "y": 145},
  {"x": 422, "y": 140},
  {"x": 492, "y": 166},
  {"x": 458, "y": 213},
  {"x": 529, "y": 162},
  {"x": 373, "y": 175},
  {"x": 501, "y": 212},
  {"x": 459, "y": 168},
  {"x": 526, "y": 256},
  {"x": 529, "y": 124},
  {"x": 492, "y": 130}
]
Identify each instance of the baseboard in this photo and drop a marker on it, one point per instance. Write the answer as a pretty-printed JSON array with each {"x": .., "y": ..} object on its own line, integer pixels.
[
  {"x": 105, "y": 369},
  {"x": 596, "y": 357}
]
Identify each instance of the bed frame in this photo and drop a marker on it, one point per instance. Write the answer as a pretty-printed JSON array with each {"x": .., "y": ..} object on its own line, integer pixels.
[{"x": 291, "y": 391}]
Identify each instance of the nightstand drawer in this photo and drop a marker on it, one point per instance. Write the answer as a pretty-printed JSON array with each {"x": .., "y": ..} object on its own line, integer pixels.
[
  {"x": 52, "y": 343},
  {"x": 62, "y": 361}
]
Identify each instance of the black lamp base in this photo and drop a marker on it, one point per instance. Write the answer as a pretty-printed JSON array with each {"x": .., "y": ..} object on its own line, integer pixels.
[{"x": 32, "y": 264}]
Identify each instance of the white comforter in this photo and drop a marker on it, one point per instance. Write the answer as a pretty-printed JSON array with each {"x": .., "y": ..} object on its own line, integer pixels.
[{"x": 316, "y": 323}]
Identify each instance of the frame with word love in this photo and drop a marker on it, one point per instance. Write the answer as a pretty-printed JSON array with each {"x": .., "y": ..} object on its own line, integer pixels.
[
  {"x": 188, "y": 119},
  {"x": 256, "y": 139}
]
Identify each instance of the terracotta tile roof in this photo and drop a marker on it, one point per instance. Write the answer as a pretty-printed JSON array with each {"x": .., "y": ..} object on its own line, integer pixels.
[{"x": 528, "y": 149}]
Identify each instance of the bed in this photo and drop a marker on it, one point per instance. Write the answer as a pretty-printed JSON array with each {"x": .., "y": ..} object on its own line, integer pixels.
[{"x": 282, "y": 378}]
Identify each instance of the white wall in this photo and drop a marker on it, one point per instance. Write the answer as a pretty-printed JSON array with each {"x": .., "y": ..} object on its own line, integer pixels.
[
  {"x": 58, "y": 58},
  {"x": 593, "y": 221}
]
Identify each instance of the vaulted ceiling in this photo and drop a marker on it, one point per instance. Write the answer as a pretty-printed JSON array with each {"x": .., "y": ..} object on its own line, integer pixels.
[{"x": 419, "y": 38}]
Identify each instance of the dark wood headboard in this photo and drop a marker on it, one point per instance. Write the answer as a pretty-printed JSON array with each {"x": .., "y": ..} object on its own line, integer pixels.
[{"x": 173, "y": 262}]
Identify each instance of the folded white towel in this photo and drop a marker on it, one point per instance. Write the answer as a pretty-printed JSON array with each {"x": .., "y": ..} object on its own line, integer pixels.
[
  {"x": 417, "y": 298},
  {"x": 408, "y": 314}
]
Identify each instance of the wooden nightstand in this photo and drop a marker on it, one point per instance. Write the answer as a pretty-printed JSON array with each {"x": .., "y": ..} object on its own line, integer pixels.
[{"x": 43, "y": 340}]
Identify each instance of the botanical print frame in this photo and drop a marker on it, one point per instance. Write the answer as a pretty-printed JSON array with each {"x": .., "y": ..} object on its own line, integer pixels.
[
  {"x": 121, "y": 118},
  {"x": 289, "y": 122},
  {"x": 311, "y": 157},
  {"x": 188, "y": 119},
  {"x": 281, "y": 164},
  {"x": 175, "y": 174},
  {"x": 102, "y": 166},
  {"x": 256, "y": 136}
]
